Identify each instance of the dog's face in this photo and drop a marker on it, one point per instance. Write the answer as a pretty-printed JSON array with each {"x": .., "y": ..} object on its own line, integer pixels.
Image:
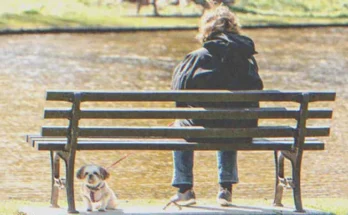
[{"x": 92, "y": 174}]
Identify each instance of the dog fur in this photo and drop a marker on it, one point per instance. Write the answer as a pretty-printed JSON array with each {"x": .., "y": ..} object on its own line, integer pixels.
[{"x": 95, "y": 191}]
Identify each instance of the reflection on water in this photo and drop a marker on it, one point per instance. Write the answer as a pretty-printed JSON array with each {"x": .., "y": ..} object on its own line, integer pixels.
[{"x": 307, "y": 59}]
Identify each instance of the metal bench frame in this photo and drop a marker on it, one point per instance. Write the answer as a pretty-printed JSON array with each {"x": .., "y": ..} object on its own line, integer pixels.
[{"x": 62, "y": 142}]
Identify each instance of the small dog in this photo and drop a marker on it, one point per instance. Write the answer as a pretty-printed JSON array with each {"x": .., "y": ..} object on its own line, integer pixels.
[{"x": 95, "y": 190}]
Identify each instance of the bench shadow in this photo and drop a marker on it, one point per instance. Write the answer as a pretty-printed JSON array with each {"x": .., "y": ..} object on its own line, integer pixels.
[
  {"x": 235, "y": 209},
  {"x": 189, "y": 210},
  {"x": 241, "y": 209}
]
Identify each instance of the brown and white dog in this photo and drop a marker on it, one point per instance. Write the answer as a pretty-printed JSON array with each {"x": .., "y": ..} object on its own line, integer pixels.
[{"x": 95, "y": 190}]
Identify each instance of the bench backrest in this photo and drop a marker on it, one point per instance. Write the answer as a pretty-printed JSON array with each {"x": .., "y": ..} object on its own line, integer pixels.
[{"x": 298, "y": 131}]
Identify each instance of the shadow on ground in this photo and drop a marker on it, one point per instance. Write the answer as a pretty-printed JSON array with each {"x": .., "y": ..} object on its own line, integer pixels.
[{"x": 192, "y": 210}]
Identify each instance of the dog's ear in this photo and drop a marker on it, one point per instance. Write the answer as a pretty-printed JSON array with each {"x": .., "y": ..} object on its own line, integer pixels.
[
  {"x": 81, "y": 173},
  {"x": 104, "y": 173}
]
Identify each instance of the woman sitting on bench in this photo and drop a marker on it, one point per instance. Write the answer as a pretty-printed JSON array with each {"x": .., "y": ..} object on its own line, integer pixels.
[{"x": 225, "y": 62}]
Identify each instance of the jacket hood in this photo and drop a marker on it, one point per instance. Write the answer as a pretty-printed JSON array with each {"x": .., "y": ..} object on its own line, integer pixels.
[{"x": 227, "y": 44}]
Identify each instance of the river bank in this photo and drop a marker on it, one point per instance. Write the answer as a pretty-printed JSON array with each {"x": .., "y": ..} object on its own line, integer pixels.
[{"x": 107, "y": 29}]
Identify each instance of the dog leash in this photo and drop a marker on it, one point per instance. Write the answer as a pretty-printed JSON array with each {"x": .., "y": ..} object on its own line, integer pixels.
[
  {"x": 125, "y": 156},
  {"x": 119, "y": 160}
]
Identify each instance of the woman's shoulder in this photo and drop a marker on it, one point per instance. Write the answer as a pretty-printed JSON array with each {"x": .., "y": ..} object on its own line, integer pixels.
[{"x": 201, "y": 52}]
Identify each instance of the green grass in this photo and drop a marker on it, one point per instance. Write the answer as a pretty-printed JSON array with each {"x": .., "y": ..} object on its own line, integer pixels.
[
  {"x": 333, "y": 206},
  {"x": 86, "y": 13},
  {"x": 298, "y": 8},
  {"x": 64, "y": 13}
]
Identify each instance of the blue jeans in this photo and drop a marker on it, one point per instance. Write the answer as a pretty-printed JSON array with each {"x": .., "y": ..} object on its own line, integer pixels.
[{"x": 183, "y": 167}]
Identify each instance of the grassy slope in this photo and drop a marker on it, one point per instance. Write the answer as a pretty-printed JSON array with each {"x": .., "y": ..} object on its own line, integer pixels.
[{"x": 42, "y": 13}]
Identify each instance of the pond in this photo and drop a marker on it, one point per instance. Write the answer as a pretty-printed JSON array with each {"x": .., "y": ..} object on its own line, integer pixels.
[{"x": 289, "y": 59}]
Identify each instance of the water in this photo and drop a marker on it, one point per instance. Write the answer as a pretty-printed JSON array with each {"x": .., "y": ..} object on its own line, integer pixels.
[{"x": 289, "y": 59}]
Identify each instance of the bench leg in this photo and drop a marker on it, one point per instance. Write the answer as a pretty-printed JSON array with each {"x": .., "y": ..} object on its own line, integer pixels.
[
  {"x": 296, "y": 175},
  {"x": 55, "y": 168},
  {"x": 279, "y": 174},
  {"x": 295, "y": 158},
  {"x": 69, "y": 161},
  {"x": 69, "y": 164},
  {"x": 71, "y": 152}
]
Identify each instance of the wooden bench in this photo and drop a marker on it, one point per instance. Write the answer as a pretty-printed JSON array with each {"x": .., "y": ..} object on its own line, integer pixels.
[{"x": 287, "y": 141}]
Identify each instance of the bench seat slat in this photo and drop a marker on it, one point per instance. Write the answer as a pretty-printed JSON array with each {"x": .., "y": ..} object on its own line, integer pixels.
[
  {"x": 185, "y": 132},
  {"x": 184, "y": 113},
  {"x": 171, "y": 144},
  {"x": 190, "y": 95}
]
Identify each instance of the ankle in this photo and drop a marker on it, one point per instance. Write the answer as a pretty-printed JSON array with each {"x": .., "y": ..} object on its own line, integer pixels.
[
  {"x": 226, "y": 186},
  {"x": 184, "y": 187}
]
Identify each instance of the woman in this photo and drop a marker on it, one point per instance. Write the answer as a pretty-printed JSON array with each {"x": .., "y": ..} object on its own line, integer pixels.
[{"x": 224, "y": 62}]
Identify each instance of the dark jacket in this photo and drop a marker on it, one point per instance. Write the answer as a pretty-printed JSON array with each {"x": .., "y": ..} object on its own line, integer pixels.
[{"x": 225, "y": 62}]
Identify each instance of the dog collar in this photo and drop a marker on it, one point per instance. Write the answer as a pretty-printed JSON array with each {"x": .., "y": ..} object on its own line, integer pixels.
[{"x": 96, "y": 188}]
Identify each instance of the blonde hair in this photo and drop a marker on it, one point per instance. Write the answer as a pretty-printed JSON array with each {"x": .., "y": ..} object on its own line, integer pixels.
[{"x": 217, "y": 19}]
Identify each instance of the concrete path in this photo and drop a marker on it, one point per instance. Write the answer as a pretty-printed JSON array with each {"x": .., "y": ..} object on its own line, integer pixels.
[{"x": 192, "y": 210}]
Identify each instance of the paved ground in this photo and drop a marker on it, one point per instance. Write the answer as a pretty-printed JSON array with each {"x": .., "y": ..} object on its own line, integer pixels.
[{"x": 209, "y": 210}]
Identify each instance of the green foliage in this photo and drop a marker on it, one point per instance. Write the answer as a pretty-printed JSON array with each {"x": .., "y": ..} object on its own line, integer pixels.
[{"x": 31, "y": 12}]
